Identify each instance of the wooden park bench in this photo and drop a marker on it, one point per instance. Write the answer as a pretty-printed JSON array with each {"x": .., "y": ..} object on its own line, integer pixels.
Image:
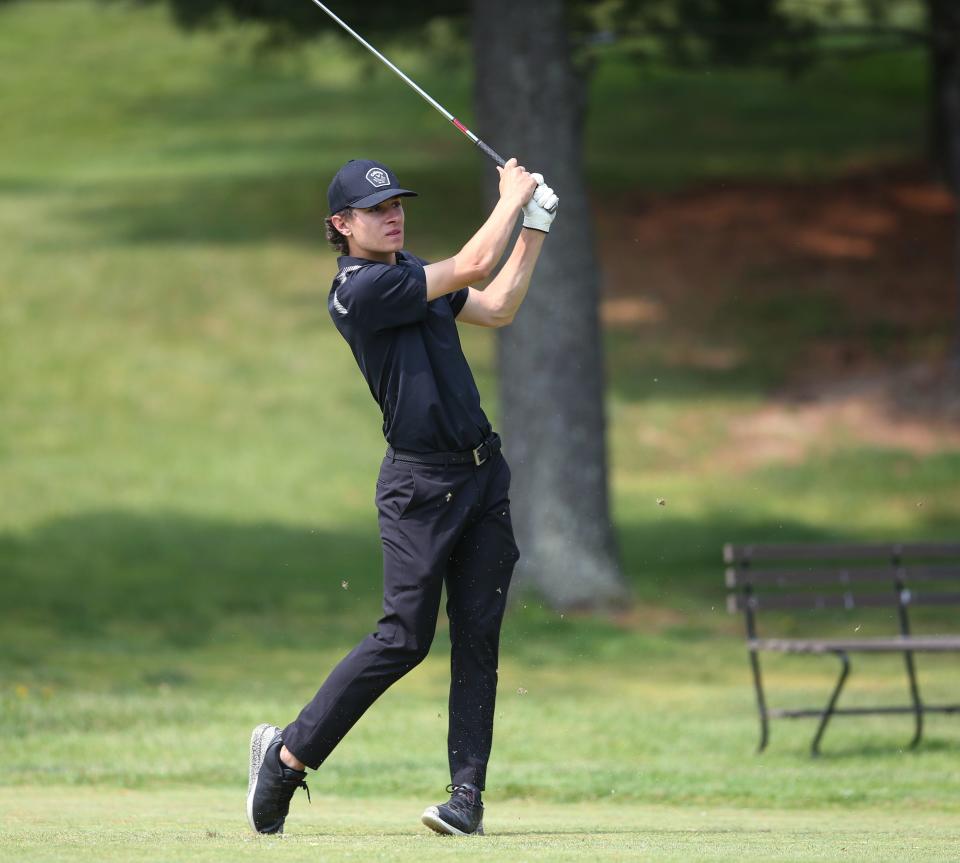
[{"x": 847, "y": 577}]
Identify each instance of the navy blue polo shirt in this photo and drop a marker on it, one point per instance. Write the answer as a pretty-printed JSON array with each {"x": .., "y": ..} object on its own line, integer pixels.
[{"x": 409, "y": 352}]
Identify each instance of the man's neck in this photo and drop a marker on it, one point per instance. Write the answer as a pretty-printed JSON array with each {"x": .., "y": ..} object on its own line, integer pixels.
[{"x": 367, "y": 255}]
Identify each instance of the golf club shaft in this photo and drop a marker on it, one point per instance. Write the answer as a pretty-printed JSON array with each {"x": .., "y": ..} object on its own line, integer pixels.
[{"x": 480, "y": 144}]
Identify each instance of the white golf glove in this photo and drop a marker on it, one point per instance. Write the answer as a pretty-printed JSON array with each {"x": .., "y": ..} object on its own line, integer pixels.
[{"x": 540, "y": 210}]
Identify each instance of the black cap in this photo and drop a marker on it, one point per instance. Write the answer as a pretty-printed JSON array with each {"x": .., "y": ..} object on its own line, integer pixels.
[{"x": 363, "y": 183}]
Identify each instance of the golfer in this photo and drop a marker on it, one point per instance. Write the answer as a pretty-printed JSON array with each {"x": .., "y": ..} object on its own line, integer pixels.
[{"x": 443, "y": 490}]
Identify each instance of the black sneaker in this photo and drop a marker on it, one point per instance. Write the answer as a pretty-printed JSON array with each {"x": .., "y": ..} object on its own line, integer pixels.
[
  {"x": 272, "y": 783},
  {"x": 461, "y": 815}
]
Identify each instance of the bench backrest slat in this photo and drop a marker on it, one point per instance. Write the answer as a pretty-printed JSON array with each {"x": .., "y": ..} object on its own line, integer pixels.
[{"x": 811, "y": 577}]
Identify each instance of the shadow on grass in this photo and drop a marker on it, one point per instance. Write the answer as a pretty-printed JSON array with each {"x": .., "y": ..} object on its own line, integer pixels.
[
  {"x": 241, "y": 208},
  {"x": 652, "y": 378},
  {"x": 122, "y": 580},
  {"x": 679, "y": 561},
  {"x": 768, "y": 335},
  {"x": 173, "y": 579},
  {"x": 889, "y": 751}
]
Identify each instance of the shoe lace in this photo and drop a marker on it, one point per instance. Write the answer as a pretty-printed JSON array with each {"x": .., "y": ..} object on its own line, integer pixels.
[
  {"x": 462, "y": 797},
  {"x": 290, "y": 783}
]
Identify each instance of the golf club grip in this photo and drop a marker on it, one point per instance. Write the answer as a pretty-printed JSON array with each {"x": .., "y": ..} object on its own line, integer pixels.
[{"x": 493, "y": 154}]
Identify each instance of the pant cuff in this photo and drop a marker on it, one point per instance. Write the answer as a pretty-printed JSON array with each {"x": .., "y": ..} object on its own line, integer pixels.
[
  {"x": 293, "y": 746},
  {"x": 469, "y": 776}
]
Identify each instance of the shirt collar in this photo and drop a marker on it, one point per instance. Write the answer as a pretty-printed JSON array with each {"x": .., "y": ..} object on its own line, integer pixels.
[{"x": 349, "y": 260}]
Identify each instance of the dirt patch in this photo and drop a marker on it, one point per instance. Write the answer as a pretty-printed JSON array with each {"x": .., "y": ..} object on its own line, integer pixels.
[
  {"x": 653, "y": 619},
  {"x": 872, "y": 253},
  {"x": 879, "y": 243},
  {"x": 916, "y": 410}
]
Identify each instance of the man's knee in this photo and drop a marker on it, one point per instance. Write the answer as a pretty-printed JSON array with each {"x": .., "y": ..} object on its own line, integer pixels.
[
  {"x": 417, "y": 650},
  {"x": 410, "y": 646}
]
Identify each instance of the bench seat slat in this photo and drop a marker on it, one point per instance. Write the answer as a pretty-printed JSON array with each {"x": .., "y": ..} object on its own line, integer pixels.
[
  {"x": 840, "y": 600},
  {"x": 918, "y": 644},
  {"x": 839, "y": 576},
  {"x": 811, "y": 601}
]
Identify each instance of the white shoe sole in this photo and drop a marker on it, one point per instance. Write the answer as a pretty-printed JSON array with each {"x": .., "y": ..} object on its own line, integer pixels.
[
  {"x": 259, "y": 741},
  {"x": 431, "y": 818}
]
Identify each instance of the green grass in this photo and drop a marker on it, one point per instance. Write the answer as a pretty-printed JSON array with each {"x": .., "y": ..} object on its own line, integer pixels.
[
  {"x": 201, "y": 826},
  {"x": 689, "y": 127},
  {"x": 613, "y": 755},
  {"x": 187, "y": 456},
  {"x": 662, "y": 717}
]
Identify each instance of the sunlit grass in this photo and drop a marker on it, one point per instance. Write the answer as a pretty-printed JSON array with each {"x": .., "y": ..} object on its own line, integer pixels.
[{"x": 203, "y": 826}]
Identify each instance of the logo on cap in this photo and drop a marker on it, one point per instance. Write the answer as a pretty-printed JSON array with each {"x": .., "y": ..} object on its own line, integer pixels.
[{"x": 378, "y": 177}]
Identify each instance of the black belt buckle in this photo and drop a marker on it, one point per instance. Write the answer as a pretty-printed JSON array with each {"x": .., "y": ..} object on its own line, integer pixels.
[{"x": 476, "y": 454}]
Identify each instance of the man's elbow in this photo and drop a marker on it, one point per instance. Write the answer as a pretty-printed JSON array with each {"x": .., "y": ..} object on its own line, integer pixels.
[
  {"x": 501, "y": 310},
  {"x": 476, "y": 269},
  {"x": 492, "y": 320}
]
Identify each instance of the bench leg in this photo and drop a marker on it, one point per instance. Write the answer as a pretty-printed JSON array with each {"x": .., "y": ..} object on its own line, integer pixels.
[
  {"x": 761, "y": 701},
  {"x": 915, "y": 698},
  {"x": 832, "y": 703}
]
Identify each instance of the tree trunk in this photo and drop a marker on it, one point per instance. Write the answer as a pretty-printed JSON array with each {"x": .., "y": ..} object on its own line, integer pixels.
[
  {"x": 531, "y": 102},
  {"x": 944, "y": 17}
]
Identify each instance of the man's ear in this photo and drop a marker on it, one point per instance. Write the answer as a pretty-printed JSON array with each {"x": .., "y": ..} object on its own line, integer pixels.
[{"x": 340, "y": 224}]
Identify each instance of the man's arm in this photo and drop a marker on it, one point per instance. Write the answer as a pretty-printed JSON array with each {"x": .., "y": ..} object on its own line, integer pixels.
[
  {"x": 496, "y": 305},
  {"x": 477, "y": 259}
]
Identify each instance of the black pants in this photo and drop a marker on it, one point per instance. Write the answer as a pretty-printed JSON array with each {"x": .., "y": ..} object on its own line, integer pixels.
[{"x": 437, "y": 524}]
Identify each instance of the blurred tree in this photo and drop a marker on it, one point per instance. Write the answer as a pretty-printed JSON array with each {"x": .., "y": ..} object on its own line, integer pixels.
[
  {"x": 944, "y": 22},
  {"x": 531, "y": 98},
  {"x": 714, "y": 32},
  {"x": 944, "y": 19},
  {"x": 298, "y": 19}
]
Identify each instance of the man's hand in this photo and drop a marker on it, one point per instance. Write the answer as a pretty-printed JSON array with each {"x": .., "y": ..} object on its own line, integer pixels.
[
  {"x": 477, "y": 259},
  {"x": 516, "y": 183},
  {"x": 540, "y": 210}
]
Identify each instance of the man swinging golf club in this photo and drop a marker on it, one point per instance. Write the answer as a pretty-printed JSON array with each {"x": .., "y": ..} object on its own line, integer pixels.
[{"x": 442, "y": 494}]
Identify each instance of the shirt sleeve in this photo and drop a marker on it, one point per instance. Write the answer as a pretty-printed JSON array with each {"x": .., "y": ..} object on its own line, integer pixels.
[
  {"x": 458, "y": 299},
  {"x": 381, "y": 296}
]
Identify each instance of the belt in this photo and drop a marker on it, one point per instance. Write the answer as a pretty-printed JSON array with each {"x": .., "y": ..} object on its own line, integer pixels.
[{"x": 477, "y": 456}]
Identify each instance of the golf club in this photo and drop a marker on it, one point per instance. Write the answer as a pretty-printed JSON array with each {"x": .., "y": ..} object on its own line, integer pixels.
[{"x": 493, "y": 154}]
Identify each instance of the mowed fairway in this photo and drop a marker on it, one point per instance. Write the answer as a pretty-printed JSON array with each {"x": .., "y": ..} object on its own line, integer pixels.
[
  {"x": 187, "y": 463},
  {"x": 167, "y": 825}
]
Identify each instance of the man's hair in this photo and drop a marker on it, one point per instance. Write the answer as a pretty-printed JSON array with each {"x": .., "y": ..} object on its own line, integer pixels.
[{"x": 334, "y": 237}]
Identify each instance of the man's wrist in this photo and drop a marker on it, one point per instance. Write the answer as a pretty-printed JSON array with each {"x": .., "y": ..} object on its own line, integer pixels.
[{"x": 514, "y": 202}]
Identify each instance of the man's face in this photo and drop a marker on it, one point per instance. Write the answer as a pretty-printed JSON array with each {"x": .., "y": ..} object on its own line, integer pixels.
[{"x": 377, "y": 230}]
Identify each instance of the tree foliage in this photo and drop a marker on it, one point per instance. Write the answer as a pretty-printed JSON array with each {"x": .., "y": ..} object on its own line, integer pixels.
[
  {"x": 303, "y": 19},
  {"x": 716, "y": 32},
  {"x": 789, "y": 34}
]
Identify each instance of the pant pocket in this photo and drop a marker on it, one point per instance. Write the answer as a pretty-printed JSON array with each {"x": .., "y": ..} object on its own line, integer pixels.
[
  {"x": 433, "y": 490},
  {"x": 396, "y": 488}
]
